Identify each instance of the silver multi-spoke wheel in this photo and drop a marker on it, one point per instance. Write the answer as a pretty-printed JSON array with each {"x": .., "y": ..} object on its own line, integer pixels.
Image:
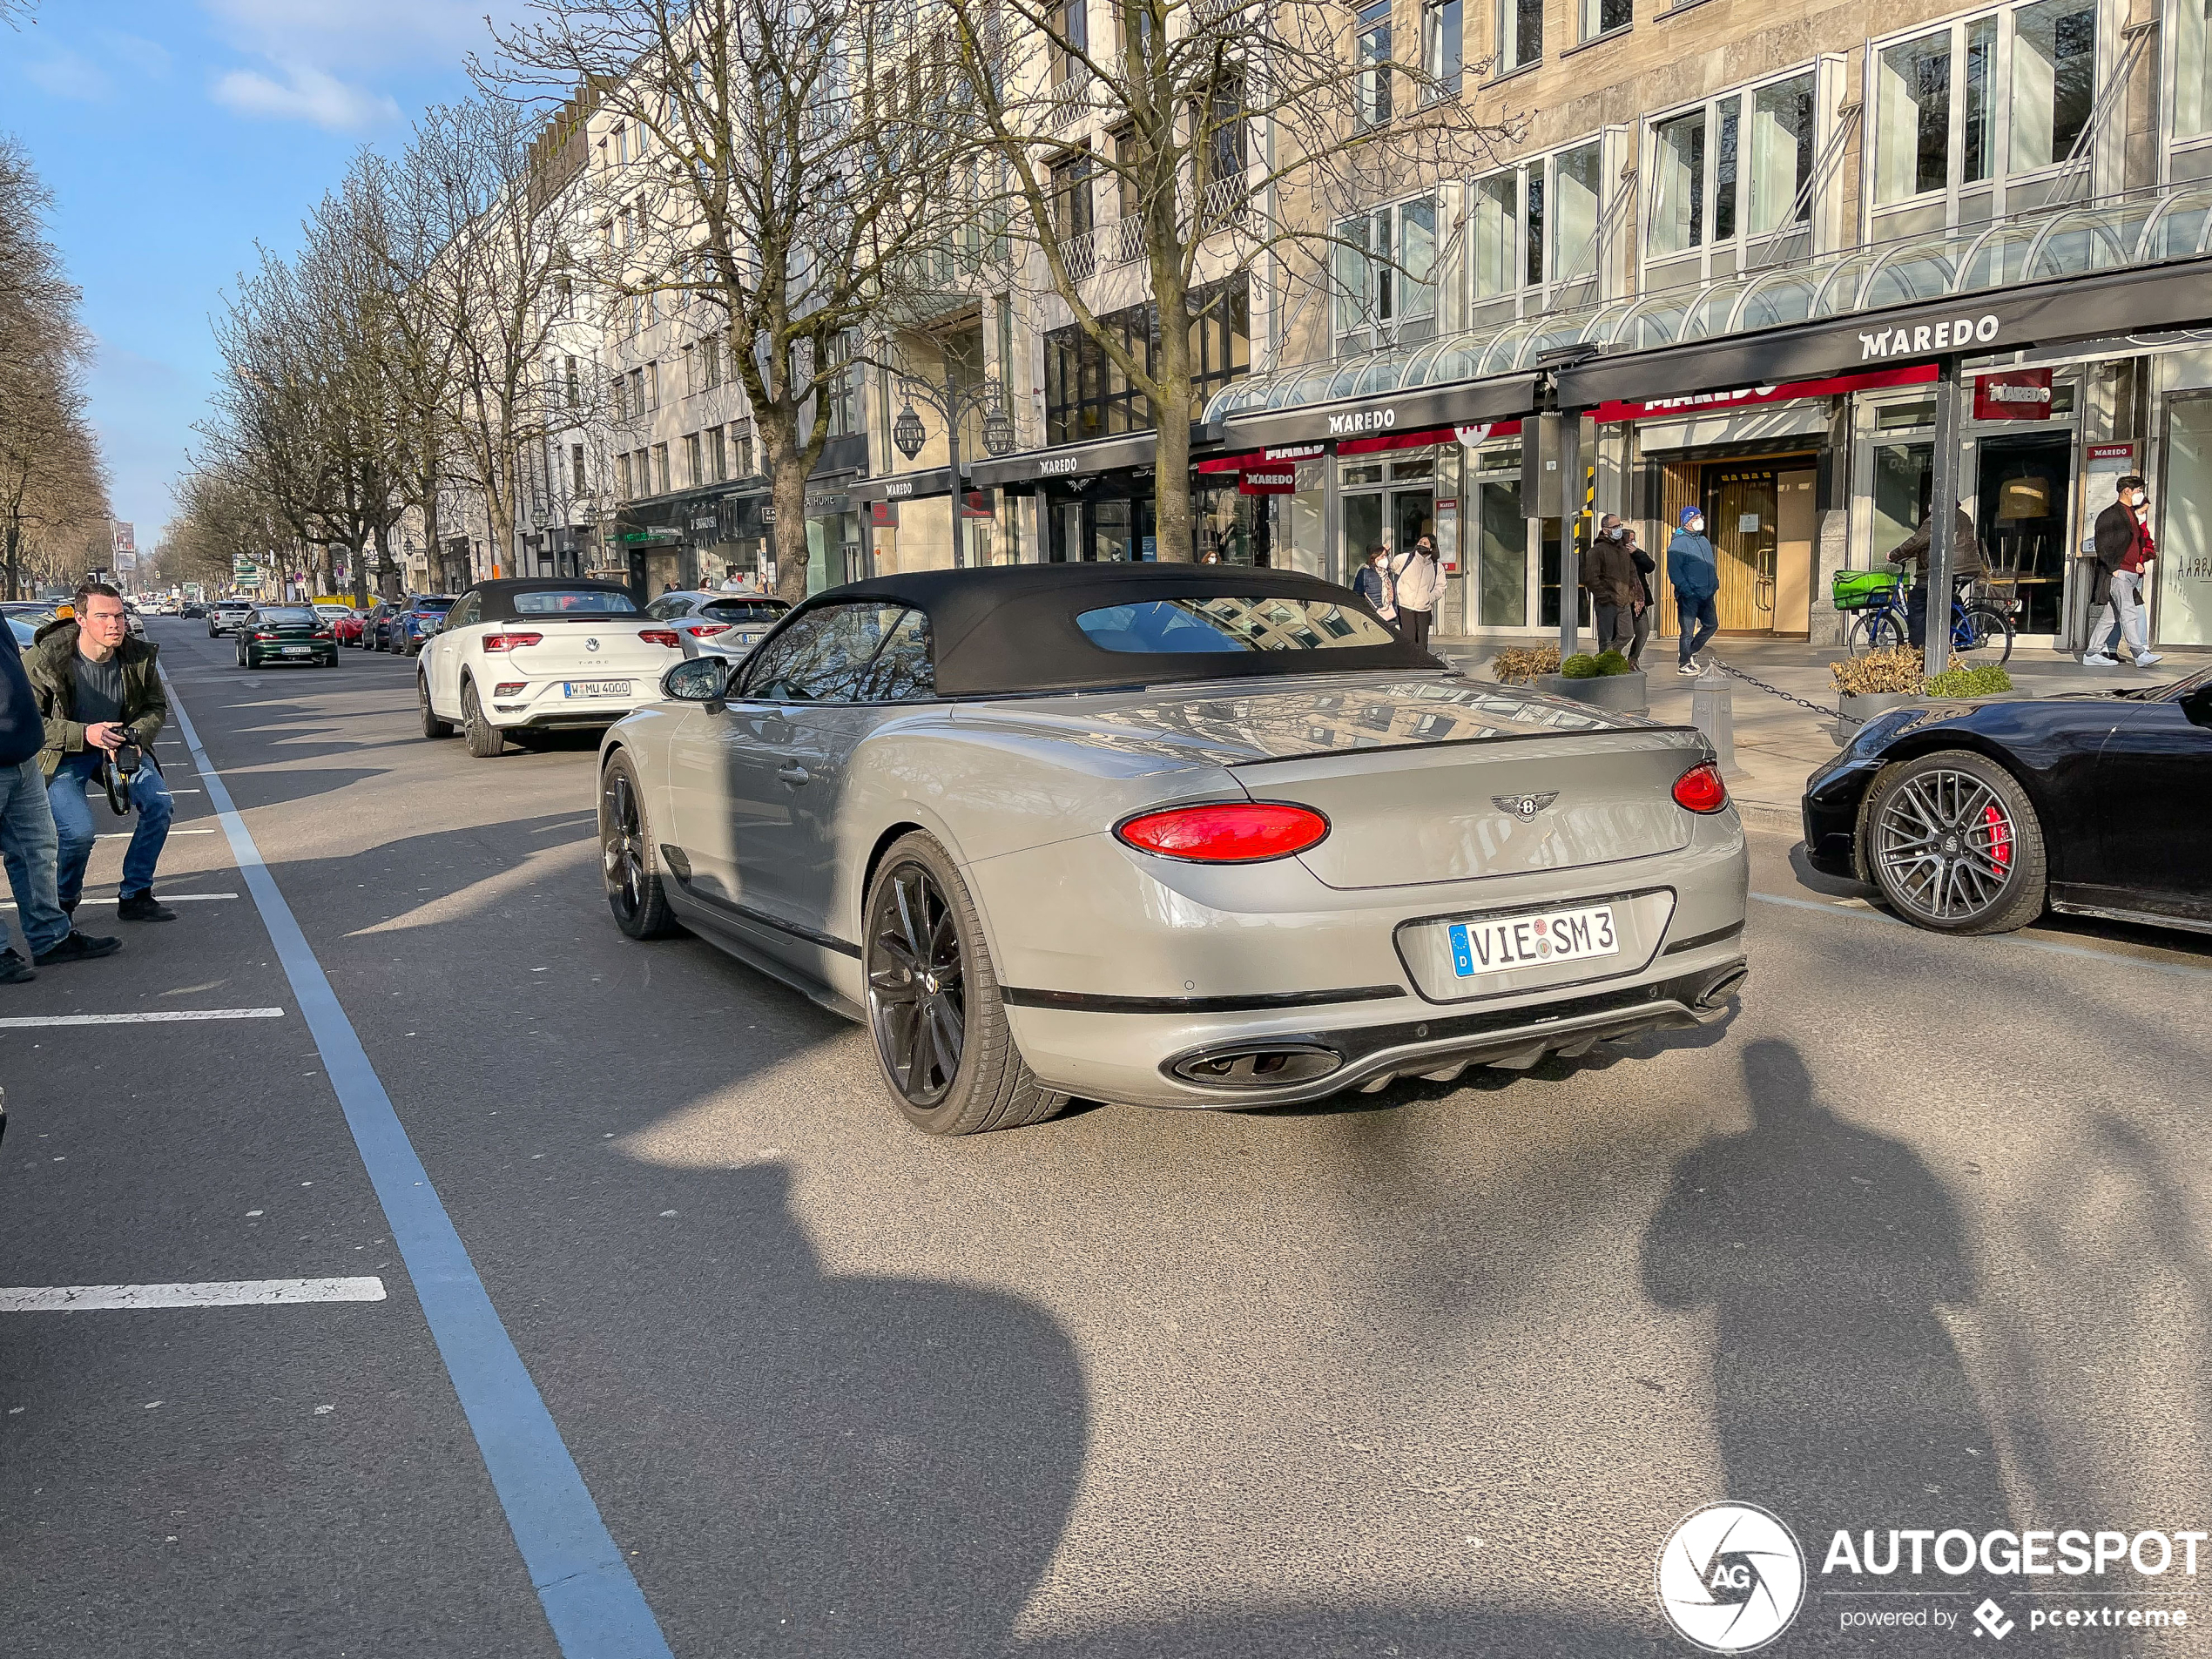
[
  {"x": 1953, "y": 844},
  {"x": 917, "y": 992},
  {"x": 932, "y": 1000}
]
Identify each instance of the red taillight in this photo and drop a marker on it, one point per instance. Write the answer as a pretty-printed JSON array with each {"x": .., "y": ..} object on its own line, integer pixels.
[
  {"x": 1233, "y": 833},
  {"x": 258, "y": 634},
  {"x": 659, "y": 637},
  {"x": 512, "y": 642},
  {"x": 1700, "y": 789},
  {"x": 706, "y": 629},
  {"x": 507, "y": 688}
]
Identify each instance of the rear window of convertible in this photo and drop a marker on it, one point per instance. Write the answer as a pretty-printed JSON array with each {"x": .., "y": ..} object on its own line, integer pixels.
[
  {"x": 1229, "y": 622},
  {"x": 552, "y": 601}
]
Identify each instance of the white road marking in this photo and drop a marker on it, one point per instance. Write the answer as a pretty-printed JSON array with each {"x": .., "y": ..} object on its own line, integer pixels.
[
  {"x": 164, "y": 1016},
  {"x": 211, "y": 1293},
  {"x": 166, "y": 898},
  {"x": 124, "y": 835}
]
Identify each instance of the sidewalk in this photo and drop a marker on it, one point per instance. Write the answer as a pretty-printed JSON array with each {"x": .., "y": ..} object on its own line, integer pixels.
[{"x": 1778, "y": 744}]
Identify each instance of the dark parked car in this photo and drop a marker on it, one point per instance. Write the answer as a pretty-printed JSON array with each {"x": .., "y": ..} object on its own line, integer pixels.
[
  {"x": 286, "y": 634},
  {"x": 1970, "y": 818},
  {"x": 376, "y": 631},
  {"x": 192, "y": 609},
  {"x": 418, "y": 621}
]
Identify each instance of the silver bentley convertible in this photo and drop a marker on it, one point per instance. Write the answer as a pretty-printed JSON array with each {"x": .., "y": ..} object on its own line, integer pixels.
[{"x": 1168, "y": 835}]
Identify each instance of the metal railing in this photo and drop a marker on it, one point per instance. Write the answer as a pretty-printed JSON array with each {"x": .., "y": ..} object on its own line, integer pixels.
[{"x": 1067, "y": 99}]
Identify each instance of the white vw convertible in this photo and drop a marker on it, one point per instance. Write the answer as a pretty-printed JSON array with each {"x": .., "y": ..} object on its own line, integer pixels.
[
  {"x": 542, "y": 655},
  {"x": 1169, "y": 835}
]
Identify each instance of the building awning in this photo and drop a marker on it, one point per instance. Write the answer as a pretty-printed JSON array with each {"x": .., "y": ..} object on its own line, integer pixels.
[
  {"x": 1033, "y": 467},
  {"x": 902, "y": 486}
]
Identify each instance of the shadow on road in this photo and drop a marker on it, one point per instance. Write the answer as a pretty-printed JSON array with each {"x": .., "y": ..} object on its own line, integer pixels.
[{"x": 1827, "y": 1251}]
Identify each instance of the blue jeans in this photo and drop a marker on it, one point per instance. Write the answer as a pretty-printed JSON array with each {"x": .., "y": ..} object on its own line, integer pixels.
[
  {"x": 73, "y": 819},
  {"x": 30, "y": 847},
  {"x": 1704, "y": 613}
]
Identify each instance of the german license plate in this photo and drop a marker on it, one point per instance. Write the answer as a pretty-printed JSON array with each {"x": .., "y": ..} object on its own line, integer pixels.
[
  {"x": 594, "y": 688},
  {"x": 1534, "y": 940},
  {"x": 297, "y": 651}
]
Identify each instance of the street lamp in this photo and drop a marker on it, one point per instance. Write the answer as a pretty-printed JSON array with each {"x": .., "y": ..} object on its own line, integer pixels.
[{"x": 953, "y": 402}]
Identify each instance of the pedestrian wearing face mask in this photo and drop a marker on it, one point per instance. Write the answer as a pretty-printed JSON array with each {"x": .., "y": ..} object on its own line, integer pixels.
[
  {"x": 1374, "y": 584},
  {"x": 2124, "y": 551},
  {"x": 1696, "y": 579},
  {"x": 1610, "y": 576}
]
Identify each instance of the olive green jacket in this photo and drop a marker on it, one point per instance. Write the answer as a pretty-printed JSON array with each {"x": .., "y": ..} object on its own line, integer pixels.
[{"x": 50, "y": 662}]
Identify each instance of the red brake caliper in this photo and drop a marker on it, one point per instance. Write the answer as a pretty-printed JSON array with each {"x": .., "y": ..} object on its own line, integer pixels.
[{"x": 2000, "y": 837}]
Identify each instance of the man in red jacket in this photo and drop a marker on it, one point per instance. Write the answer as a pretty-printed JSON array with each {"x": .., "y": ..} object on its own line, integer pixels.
[{"x": 2124, "y": 552}]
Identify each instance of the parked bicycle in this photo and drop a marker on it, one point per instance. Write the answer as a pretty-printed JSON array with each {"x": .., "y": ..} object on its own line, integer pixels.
[{"x": 1878, "y": 596}]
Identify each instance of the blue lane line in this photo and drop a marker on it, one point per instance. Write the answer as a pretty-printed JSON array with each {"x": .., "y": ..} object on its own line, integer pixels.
[
  {"x": 2012, "y": 941},
  {"x": 593, "y": 1603}
]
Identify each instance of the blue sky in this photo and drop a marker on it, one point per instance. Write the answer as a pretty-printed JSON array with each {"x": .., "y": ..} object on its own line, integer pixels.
[{"x": 177, "y": 134}]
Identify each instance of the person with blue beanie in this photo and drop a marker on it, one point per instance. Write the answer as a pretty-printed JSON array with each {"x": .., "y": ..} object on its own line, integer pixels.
[{"x": 1696, "y": 579}]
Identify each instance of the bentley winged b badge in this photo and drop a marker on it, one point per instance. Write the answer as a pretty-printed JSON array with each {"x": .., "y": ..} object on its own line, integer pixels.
[{"x": 1523, "y": 807}]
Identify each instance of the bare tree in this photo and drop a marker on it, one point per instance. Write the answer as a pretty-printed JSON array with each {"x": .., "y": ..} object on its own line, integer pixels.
[
  {"x": 757, "y": 183},
  {"x": 491, "y": 270},
  {"x": 1236, "y": 136},
  {"x": 52, "y": 481}
]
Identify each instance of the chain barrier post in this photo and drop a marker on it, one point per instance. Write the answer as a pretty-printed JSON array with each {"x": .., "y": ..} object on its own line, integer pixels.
[{"x": 1712, "y": 712}]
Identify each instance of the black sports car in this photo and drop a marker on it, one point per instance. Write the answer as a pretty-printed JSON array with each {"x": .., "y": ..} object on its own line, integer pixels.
[{"x": 1970, "y": 818}]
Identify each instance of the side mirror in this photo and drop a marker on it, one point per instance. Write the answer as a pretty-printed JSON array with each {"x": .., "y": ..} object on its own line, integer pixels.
[
  {"x": 696, "y": 679},
  {"x": 2196, "y": 707}
]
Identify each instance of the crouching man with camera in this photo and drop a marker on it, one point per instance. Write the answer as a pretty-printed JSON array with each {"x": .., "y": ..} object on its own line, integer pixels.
[{"x": 103, "y": 704}]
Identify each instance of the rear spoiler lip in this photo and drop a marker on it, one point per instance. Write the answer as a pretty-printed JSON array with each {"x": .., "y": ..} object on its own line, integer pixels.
[{"x": 1467, "y": 743}]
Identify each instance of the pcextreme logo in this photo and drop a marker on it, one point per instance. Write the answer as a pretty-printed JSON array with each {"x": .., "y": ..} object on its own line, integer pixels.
[{"x": 1730, "y": 1577}]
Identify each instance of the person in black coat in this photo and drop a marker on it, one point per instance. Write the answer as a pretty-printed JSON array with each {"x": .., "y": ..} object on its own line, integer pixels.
[
  {"x": 2124, "y": 551},
  {"x": 29, "y": 842},
  {"x": 1965, "y": 566}
]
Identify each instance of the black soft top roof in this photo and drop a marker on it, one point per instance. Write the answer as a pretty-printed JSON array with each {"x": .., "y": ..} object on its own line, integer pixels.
[
  {"x": 497, "y": 598},
  {"x": 1013, "y": 630}
]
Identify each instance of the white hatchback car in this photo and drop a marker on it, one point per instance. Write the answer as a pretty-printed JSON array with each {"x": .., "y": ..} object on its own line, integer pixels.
[
  {"x": 540, "y": 655},
  {"x": 718, "y": 624}
]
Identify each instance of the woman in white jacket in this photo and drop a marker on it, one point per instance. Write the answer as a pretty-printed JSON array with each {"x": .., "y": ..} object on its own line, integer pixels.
[{"x": 1419, "y": 578}]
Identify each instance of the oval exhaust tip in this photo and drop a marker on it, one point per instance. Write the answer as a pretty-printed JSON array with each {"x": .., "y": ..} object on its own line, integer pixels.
[{"x": 1260, "y": 1065}]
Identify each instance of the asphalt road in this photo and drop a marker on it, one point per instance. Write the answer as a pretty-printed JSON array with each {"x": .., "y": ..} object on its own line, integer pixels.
[{"x": 1917, "y": 1239}]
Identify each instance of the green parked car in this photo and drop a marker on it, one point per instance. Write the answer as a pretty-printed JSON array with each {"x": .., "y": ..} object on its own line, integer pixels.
[{"x": 286, "y": 634}]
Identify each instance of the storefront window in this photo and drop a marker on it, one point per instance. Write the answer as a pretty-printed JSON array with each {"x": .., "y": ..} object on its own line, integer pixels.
[
  {"x": 2184, "y": 610},
  {"x": 1903, "y": 474},
  {"x": 1502, "y": 543}
]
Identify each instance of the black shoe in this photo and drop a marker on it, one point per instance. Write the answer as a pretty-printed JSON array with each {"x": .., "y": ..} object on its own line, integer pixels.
[
  {"x": 68, "y": 906},
  {"x": 13, "y": 969},
  {"x": 77, "y": 947},
  {"x": 143, "y": 907}
]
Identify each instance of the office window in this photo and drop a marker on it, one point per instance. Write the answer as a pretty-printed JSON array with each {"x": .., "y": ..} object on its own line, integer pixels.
[
  {"x": 1678, "y": 185},
  {"x": 1913, "y": 130},
  {"x": 1373, "y": 44},
  {"x": 636, "y": 393},
  {"x": 717, "y": 454},
  {"x": 576, "y": 470},
  {"x": 1781, "y": 159},
  {"x": 710, "y": 360},
  {"x": 1603, "y": 16},
  {"x": 652, "y": 386},
  {"x": 1070, "y": 37},
  {"x": 1532, "y": 228},
  {"x": 622, "y": 476},
  {"x": 661, "y": 486},
  {"x": 1086, "y": 397},
  {"x": 1520, "y": 33},
  {"x": 1386, "y": 269},
  {"x": 2187, "y": 37},
  {"x": 574, "y": 387},
  {"x": 690, "y": 371},
  {"x": 1577, "y": 200},
  {"x": 694, "y": 461},
  {"x": 1441, "y": 44},
  {"x": 741, "y": 446},
  {"x": 2054, "y": 80},
  {"x": 1071, "y": 195},
  {"x": 1494, "y": 234}
]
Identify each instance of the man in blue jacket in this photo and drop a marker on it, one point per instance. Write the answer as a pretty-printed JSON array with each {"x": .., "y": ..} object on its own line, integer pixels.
[{"x": 1696, "y": 579}]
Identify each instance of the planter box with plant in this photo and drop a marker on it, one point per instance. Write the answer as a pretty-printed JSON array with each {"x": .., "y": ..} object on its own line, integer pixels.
[
  {"x": 1881, "y": 680},
  {"x": 1607, "y": 680}
]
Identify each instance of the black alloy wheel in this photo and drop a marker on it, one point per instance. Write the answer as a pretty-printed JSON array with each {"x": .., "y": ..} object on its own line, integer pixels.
[
  {"x": 626, "y": 857},
  {"x": 933, "y": 1007},
  {"x": 432, "y": 727},
  {"x": 1953, "y": 842},
  {"x": 485, "y": 739}
]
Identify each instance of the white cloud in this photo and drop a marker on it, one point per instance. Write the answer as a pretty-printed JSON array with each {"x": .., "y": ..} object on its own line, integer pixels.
[
  {"x": 67, "y": 75},
  {"x": 305, "y": 94},
  {"x": 148, "y": 59},
  {"x": 360, "y": 34}
]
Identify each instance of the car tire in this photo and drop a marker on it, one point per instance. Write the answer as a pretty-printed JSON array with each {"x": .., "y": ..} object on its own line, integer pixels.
[
  {"x": 432, "y": 727},
  {"x": 485, "y": 739},
  {"x": 628, "y": 859},
  {"x": 920, "y": 921},
  {"x": 1953, "y": 842}
]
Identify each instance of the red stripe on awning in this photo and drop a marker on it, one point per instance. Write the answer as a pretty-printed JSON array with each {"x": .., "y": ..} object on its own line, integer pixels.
[{"x": 1758, "y": 397}]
